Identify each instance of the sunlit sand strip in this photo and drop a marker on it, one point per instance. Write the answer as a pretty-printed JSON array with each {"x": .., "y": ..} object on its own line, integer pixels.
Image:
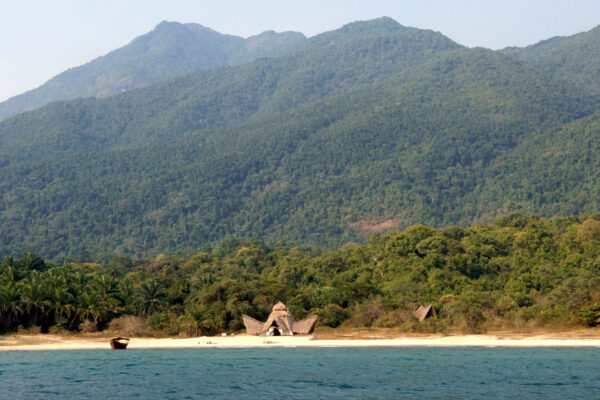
[{"x": 47, "y": 342}]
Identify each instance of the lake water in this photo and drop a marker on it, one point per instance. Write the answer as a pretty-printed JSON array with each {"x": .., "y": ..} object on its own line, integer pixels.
[{"x": 303, "y": 373}]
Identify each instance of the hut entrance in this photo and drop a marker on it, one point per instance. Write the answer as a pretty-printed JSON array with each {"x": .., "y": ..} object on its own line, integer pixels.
[{"x": 274, "y": 329}]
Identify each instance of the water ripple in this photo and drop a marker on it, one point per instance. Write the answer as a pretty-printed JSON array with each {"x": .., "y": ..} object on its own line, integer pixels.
[{"x": 358, "y": 373}]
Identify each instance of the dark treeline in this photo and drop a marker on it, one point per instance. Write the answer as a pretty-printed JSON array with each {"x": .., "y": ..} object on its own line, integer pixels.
[{"x": 521, "y": 271}]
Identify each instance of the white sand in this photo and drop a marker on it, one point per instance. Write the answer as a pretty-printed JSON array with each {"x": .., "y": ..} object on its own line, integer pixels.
[{"x": 50, "y": 342}]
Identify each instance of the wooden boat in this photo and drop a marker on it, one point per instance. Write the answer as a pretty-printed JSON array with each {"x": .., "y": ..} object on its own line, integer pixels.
[{"x": 119, "y": 343}]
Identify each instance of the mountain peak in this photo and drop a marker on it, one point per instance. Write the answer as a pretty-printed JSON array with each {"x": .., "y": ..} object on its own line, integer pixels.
[
  {"x": 165, "y": 23},
  {"x": 275, "y": 38},
  {"x": 273, "y": 34},
  {"x": 169, "y": 26},
  {"x": 377, "y": 25},
  {"x": 169, "y": 50},
  {"x": 373, "y": 27}
]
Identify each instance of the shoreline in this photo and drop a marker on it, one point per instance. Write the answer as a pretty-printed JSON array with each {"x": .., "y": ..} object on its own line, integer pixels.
[{"x": 56, "y": 342}]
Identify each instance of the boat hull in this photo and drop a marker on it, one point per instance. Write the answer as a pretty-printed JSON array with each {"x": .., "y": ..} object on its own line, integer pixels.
[{"x": 118, "y": 344}]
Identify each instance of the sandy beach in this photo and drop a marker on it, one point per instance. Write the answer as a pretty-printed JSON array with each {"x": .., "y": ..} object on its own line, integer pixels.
[{"x": 54, "y": 342}]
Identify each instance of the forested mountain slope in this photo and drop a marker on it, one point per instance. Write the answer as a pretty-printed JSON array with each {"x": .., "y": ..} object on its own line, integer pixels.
[
  {"x": 423, "y": 145},
  {"x": 355, "y": 56},
  {"x": 575, "y": 58},
  {"x": 171, "y": 49},
  {"x": 554, "y": 172}
]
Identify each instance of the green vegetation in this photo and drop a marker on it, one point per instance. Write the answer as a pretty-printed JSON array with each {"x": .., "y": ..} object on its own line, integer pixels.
[
  {"x": 170, "y": 50},
  {"x": 356, "y": 56},
  {"x": 521, "y": 271},
  {"x": 449, "y": 142},
  {"x": 573, "y": 58},
  {"x": 372, "y": 126}
]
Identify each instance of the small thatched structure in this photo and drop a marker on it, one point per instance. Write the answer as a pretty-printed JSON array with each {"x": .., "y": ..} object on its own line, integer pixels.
[
  {"x": 280, "y": 322},
  {"x": 425, "y": 312}
]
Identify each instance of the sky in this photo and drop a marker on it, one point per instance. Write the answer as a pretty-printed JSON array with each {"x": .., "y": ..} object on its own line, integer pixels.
[{"x": 41, "y": 38}]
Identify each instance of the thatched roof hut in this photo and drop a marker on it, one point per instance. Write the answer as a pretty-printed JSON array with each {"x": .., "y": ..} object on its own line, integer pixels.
[
  {"x": 425, "y": 312},
  {"x": 280, "y": 322}
]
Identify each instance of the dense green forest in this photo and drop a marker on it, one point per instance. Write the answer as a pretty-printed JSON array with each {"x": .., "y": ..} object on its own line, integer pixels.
[
  {"x": 372, "y": 126},
  {"x": 422, "y": 147},
  {"x": 520, "y": 272},
  {"x": 573, "y": 58},
  {"x": 170, "y": 50}
]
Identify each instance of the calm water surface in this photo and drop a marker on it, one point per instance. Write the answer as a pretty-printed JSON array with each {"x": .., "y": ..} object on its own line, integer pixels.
[{"x": 303, "y": 373}]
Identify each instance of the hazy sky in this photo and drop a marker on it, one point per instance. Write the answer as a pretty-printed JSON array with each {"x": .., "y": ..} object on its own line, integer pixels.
[{"x": 41, "y": 38}]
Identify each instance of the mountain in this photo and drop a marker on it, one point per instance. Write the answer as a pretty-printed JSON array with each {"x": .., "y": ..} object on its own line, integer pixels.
[
  {"x": 575, "y": 58},
  {"x": 171, "y": 49},
  {"x": 371, "y": 126},
  {"x": 356, "y": 56}
]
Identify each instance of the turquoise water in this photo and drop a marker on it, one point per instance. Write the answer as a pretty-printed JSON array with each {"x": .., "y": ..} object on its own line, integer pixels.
[{"x": 303, "y": 373}]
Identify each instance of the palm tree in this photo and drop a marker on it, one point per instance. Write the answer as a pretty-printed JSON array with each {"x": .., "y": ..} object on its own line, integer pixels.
[
  {"x": 5, "y": 264},
  {"x": 151, "y": 297},
  {"x": 34, "y": 300},
  {"x": 126, "y": 295},
  {"x": 9, "y": 274},
  {"x": 78, "y": 281},
  {"x": 10, "y": 305},
  {"x": 61, "y": 302},
  {"x": 90, "y": 307},
  {"x": 196, "y": 321},
  {"x": 31, "y": 261},
  {"x": 99, "y": 299},
  {"x": 106, "y": 290}
]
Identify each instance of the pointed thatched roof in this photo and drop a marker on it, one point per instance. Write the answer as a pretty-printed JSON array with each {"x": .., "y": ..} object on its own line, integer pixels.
[
  {"x": 425, "y": 312},
  {"x": 280, "y": 307},
  {"x": 305, "y": 326},
  {"x": 253, "y": 326},
  {"x": 282, "y": 318}
]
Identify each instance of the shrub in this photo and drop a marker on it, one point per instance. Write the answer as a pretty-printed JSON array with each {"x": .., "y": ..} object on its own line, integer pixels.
[
  {"x": 590, "y": 315},
  {"x": 469, "y": 307},
  {"x": 366, "y": 315},
  {"x": 88, "y": 326},
  {"x": 332, "y": 315},
  {"x": 394, "y": 318},
  {"x": 129, "y": 325}
]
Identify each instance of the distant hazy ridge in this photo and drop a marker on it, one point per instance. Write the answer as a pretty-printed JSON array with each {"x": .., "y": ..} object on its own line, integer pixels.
[{"x": 171, "y": 49}]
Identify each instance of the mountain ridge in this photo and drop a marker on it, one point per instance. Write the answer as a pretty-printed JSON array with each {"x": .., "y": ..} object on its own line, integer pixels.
[
  {"x": 171, "y": 49},
  {"x": 574, "y": 57},
  {"x": 221, "y": 97},
  {"x": 418, "y": 147}
]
